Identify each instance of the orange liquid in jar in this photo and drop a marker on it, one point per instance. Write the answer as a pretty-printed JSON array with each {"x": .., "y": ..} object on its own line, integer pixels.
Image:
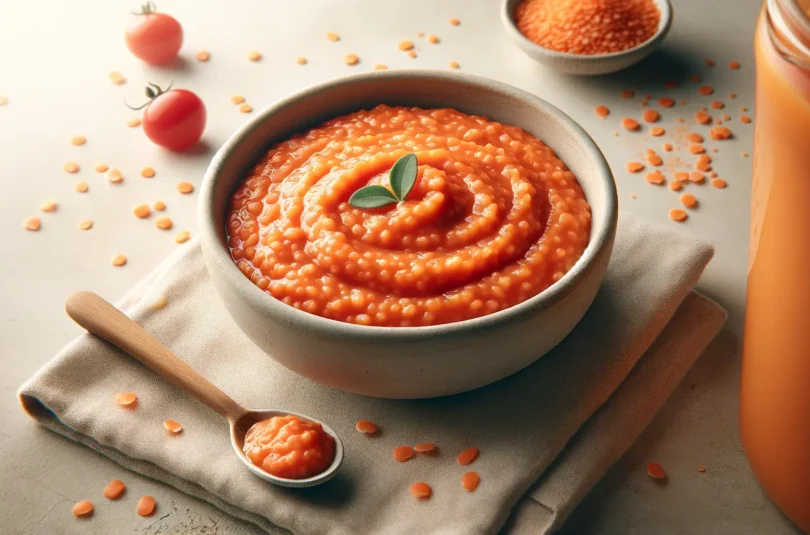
[{"x": 775, "y": 389}]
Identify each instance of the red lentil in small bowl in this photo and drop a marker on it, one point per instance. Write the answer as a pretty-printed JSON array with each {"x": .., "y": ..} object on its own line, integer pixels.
[
  {"x": 587, "y": 37},
  {"x": 310, "y": 278}
]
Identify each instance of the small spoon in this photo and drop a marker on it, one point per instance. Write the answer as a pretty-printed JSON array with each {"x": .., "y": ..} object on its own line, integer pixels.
[{"x": 102, "y": 319}]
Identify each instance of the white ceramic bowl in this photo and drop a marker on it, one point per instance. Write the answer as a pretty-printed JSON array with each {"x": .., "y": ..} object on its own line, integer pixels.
[
  {"x": 579, "y": 64},
  {"x": 408, "y": 362}
]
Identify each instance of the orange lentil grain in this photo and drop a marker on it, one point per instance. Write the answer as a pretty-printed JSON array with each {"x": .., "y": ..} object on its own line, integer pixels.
[
  {"x": 697, "y": 177},
  {"x": 700, "y": 468},
  {"x": 705, "y": 90},
  {"x": 411, "y": 54},
  {"x": 632, "y": 195},
  {"x": 49, "y": 205},
  {"x": 402, "y": 453},
  {"x": 703, "y": 117},
  {"x": 182, "y": 236},
  {"x": 420, "y": 490},
  {"x": 380, "y": 67},
  {"x": 675, "y": 185},
  {"x": 3, "y": 100},
  {"x": 332, "y": 36},
  {"x": 134, "y": 123},
  {"x": 467, "y": 456},
  {"x": 602, "y": 111},
  {"x": 173, "y": 427},
  {"x": 695, "y": 78},
  {"x": 85, "y": 224},
  {"x": 159, "y": 206},
  {"x": 101, "y": 167},
  {"x": 630, "y": 124},
  {"x": 245, "y": 108},
  {"x": 454, "y": 22},
  {"x": 718, "y": 105},
  {"x": 146, "y": 506},
  {"x": 719, "y": 183},
  {"x": 119, "y": 260},
  {"x": 454, "y": 65},
  {"x": 470, "y": 480},
  {"x": 70, "y": 167},
  {"x": 744, "y": 155},
  {"x": 681, "y": 176},
  {"x": 82, "y": 509},
  {"x": 254, "y": 55},
  {"x": 745, "y": 119},
  {"x": 720, "y": 133},
  {"x": 405, "y": 44},
  {"x": 726, "y": 117},
  {"x": 680, "y": 119},
  {"x": 650, "y": 116},
  {"x": 425, "y": 447},
  {"x": 81, "y": 187},
  {"x": 645, "y": 103},
  {"x": 301, "y": 60},
  {"x": 657, "y": 131},
  {"x": 654, "y": 159},
  {"x": 656, "y": 178},
  {"x": 78, "y": 140},
  {"x": 147, "y": 172},
  {"x": 696, "y": 148},
  {"x": 635, "y": 167},
  {"x": 185, "y": 187},
  {"x": 117, "y": 78},
  {"x": 666, "y": 102},
  {"x": 703, "y": 166},
  {"x": 688, "y": 200},
  {"x": 732, "y": 95},
  {"x": 141, "y": 211},
  {"x": 114, "y": 489},
  {"x": 627, "y": 93},
  {"x": 710, "y": 63},
  {"x": 32, "y": 224},
  {"x": 164, "y": 223},
  {"x": 420, "y": 34},
  {"x": 126, "y": 399},
  {"x": 743, "y": 108},
  {"x": 114, "y": 176},
  {"x": 237, "y": 99},
  {"x": 433, "y": 39},
  {"x": 733, "y": 65},
  {"x": 366, "y": 426},
  {"x": 655, "y": 470},
  {"x": 667, "y": 147},
  {"x": 351, "y": 59},
  {"x": 202, "y": 55},
  {"x": 676, "y": 214},
  {"x": 694, "y": 137}
]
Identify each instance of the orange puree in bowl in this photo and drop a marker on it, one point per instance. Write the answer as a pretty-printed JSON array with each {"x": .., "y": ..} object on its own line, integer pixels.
[
  {"x": 289, "y": 447},
  {"x": 493, "y": 219}
]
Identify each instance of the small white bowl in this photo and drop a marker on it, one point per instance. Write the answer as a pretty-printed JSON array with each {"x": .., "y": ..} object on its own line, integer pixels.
[{"x": 585, "y": 65}]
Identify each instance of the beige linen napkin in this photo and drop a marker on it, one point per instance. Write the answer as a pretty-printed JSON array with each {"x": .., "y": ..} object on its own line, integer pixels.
[{"x": 546, "y": 434}]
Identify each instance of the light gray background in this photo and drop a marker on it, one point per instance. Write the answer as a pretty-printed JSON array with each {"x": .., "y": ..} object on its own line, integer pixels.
[{"x": 54, "y": 61}]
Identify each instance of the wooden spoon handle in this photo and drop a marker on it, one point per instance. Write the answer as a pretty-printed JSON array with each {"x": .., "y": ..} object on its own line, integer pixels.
[{"x": 102, "y": 319}]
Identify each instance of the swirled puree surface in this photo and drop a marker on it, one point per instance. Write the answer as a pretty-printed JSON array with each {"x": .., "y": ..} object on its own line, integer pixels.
[{"x": 493, "y": 219}]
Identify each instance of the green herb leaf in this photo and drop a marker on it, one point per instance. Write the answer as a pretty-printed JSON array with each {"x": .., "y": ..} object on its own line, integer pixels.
[
  {"x": 372, "y": 197},
  {"x": 403, "y": 176}
]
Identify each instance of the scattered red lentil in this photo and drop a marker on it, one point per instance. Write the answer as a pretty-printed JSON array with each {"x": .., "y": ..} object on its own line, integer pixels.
[
  {"x": 467, "y": 456},
  {"x": 82, "y": 509},
  {"x": 117, "y": 78},
  {"x": 202, "y": 55},
  {"x": 366, "y": 426},
  {"x": 301, "y": 60},
  {"x": 718, "y": 105},
  {"x": 351, "y": 59},
  {"x": 696, "y": 148},
  {"x": 681, "y": 176},
  {"x": 114, "y": 176},
  {"x": 697, "y": 177},
  {"x": 743, "y": 108},
  {"x": 745, "y": 119},
  {"x": 732, "y": 95},
  {"x": 32, "y": 224},
  {"x": 182, "y": 236},
  {"x": 254, "y": 55},
  {"x": 237, "y": 99},
  {"x": 672, "y": 85},
  {"x": 163, "y": 223},
  {"x": 3, "y": 100},
  {"x": 185, "y": 187},
  {"x": 630, "y": 124},
  {"x": 627, "y": 94},
  {"x": 146, "y": 506},
  {"x": 49, "y": 205},
  {"x": 726, "y": 117},
  {"x": 666, "y": 102},
  {"x": 78, "y": 140},
  {"x": 433, "y": 39},
  {"x": 403, "y": 453},
  {"x": 380, "y": 67},
  {"x": 632, "y": 195},
  {"x": 656, "y": 177},
  {"x": 332, "y": 36},
  {"x": 657, "y": 131},
  {"x": 245, "y": 108},
  {"x": 703, "y": 166},
  {"x": 744, "y": 155},
  {"x": 81, "y": 187},
  {"x": 694, "y": 137},
  {"x": 420, "y": 34},
  {"x": 695, "y": 78},
  {"x": 173, "y": 427},
  {"x": 635, "y": 167},
  {"x": 720, "y": 133},
  {"x": 705, "y": 90},
  {"x": 710, "y": 63},
  {"x": 713, "y": 175},
  {"x": 454, "y": 22},
  {"x": 700, "y": 468},
  {"x": 405, "y": 45},
  {"x": 675, "y": 185},
  {"x": 650, "y": 116},
  {"x": 719, "y": 183},
  {"x": 667, "y": 147},
  {"x": 134, "y": 123},
  {"x": 119, "y": 260},
  {"x": 114, "y": 489},
  {"x": 654, "y": 159},
  {"x": 411, "y": 54},
  {"x": 141, "y": 211},
  {"x": 680, "y": 119},
  {"x": 733, "y": 65},
  {"x": 454, "y": 65},
  {"x": 587, "y": 26},
  {"x": 470, "y": 481},
  {"x": 644, "y": 103},
  {"x": 147, "y": 172},
  {"x": 602, "y": 111},
  {"x": 102, "y": 167},
  {"x": 126, "y": 399},
  {"x": 688, "y": 200},
  {"x": 425, "y": 447},
  {"x": 655, "y": 470},
  {"x": 70, "y": 167},
  {"x": 85, "y": 224},
  {"x": 703, "y": 117},
  {"x": 420, "y": 490}
]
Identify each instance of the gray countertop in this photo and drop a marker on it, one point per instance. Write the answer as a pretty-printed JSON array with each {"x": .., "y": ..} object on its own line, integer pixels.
[{"x": 54, "y": 62}]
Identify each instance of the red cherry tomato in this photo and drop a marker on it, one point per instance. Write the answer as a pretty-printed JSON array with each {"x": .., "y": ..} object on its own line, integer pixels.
[
  {"x": 155, "y": 38},
  {"x": 174, "y": 119}
]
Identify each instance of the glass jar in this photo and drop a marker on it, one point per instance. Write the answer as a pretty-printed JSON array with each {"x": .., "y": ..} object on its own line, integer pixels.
[{"x": 775, "y": 388}]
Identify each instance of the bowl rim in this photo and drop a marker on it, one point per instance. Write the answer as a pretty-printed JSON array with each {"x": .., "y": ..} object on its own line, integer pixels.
[
  {"x": 507, "y": 17},
  {"x": 218, "y": 257}
]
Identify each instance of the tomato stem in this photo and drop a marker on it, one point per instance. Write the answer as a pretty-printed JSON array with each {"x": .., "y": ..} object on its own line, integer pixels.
[
  {"x": 153, "y": 91},
  {"x": 146, "y": 9}
]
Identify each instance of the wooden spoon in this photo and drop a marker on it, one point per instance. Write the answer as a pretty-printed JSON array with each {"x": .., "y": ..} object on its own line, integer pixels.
[{"x": 102, "y": 319}]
